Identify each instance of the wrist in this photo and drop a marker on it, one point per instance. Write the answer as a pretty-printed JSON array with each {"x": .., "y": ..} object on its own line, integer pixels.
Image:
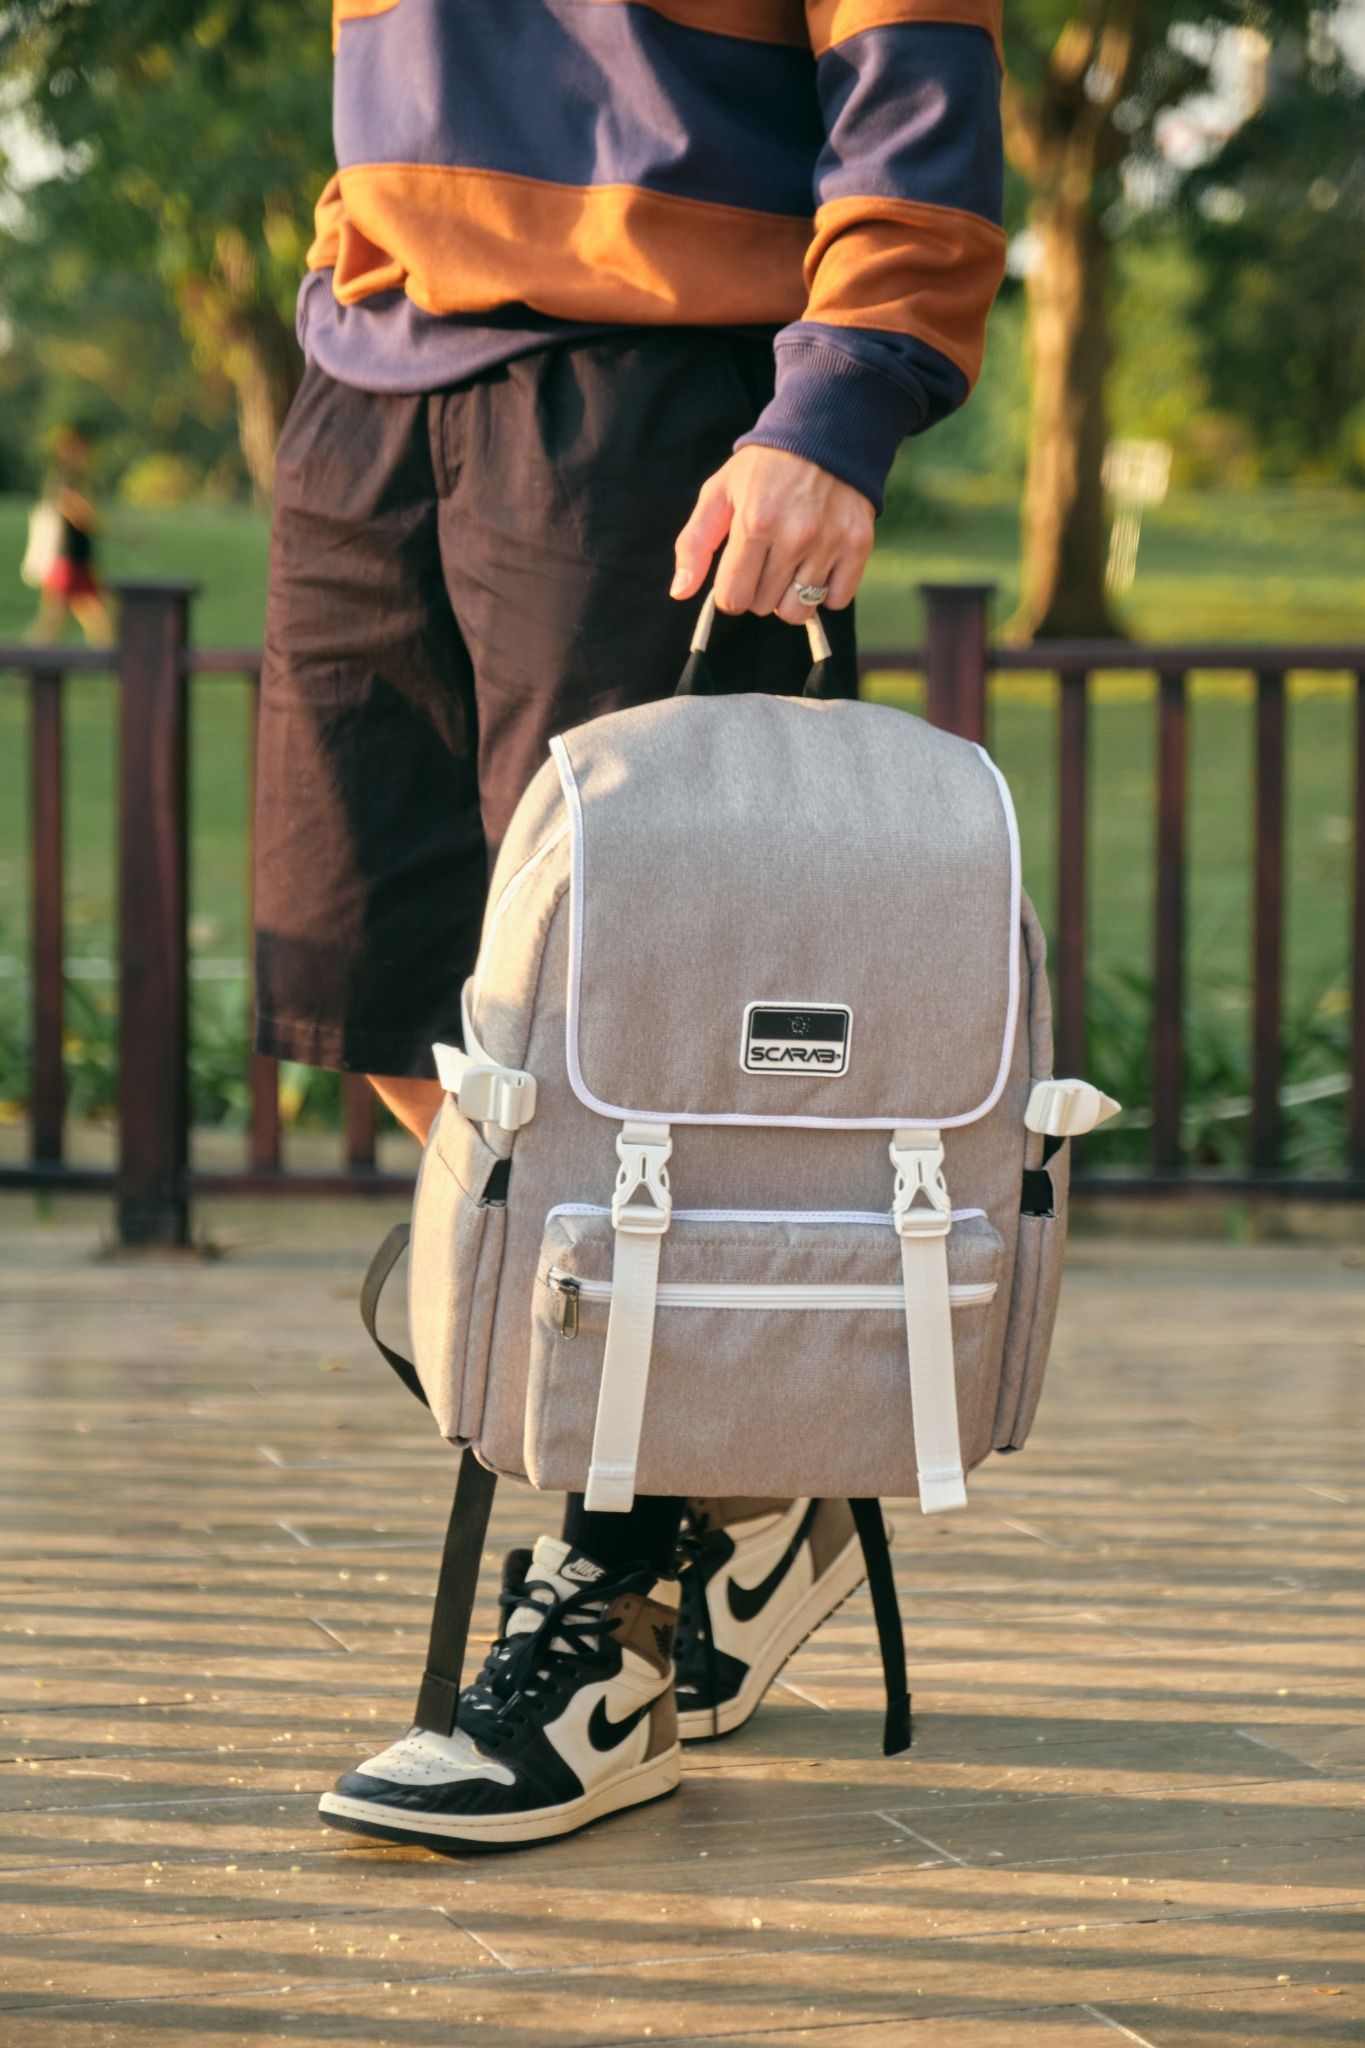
[{"x": 836, "y": 412}]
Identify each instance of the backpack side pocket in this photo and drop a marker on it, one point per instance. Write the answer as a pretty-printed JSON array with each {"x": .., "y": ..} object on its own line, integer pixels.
[
  {"x": 1033, "y": 1301},
  {"x": 459, "y": 1220}
]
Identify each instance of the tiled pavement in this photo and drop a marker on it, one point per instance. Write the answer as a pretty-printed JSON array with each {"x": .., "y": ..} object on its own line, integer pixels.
[{"x": 1134, "y": 1810}]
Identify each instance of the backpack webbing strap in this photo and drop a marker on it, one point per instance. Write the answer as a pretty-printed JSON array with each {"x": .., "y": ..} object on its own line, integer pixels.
[
  {"x": 641, "y": 1211},
  {"x": 933, "y": 1381},
  {"x": 923, "y": 1214},
  {"x": 455, "y": 1590},
  {"x": 897, "y": 1732},
  {"x": 381, "y": 1266}
]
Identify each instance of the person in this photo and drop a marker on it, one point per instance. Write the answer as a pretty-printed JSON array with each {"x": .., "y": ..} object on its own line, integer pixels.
[
  {"x": 61, "y": 555},
  {"x": 602, "y": 298}
]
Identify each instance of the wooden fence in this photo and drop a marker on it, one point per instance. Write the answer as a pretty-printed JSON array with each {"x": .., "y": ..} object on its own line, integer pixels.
[{"x": 152, "y": 1182}]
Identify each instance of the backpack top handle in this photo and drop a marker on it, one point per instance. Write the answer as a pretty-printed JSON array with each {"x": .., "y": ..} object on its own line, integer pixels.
[{"x": 696, "y": 679}]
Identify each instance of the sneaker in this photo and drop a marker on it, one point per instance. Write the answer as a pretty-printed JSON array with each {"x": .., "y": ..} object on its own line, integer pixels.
[
  {"x": 572, "y": 1717},
  {"x": 759, "y": 1576}
]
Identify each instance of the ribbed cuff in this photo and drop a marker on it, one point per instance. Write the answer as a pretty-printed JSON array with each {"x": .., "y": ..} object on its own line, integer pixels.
[{"x": 838, "y": 413}]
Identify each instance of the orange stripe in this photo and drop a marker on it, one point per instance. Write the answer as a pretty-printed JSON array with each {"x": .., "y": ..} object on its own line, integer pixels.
[
  {"x": 834, "y": 21},
  {"x": 356, "y": 10},
  {"x": 929, "y": 271},
  {"x": 461, "y": 241},
  {"x": 747, "y": 21}
]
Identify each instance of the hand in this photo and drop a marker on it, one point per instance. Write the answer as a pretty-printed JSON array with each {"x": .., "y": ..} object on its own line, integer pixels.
[{"x": 788, "y": 521}]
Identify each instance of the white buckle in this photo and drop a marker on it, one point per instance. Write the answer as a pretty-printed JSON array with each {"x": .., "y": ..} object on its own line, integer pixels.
[
  {"x": 918, "y": 1159},
  {"x": 485, "y": 1093},
  {"x": 644, "y": 1151},
  {"x": 1068, "y": 1109}
]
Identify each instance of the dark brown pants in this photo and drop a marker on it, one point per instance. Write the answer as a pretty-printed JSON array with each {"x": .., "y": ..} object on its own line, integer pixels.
[{"x": 454, "y": 578}]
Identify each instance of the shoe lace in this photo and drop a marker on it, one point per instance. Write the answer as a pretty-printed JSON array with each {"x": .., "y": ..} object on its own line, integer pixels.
[
  {"x": 525, "y": 1670},
  {"x": 699, "y": 1548}
]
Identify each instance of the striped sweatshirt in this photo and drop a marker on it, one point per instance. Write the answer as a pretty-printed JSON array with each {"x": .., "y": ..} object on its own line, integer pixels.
[{"x": 518, "y": 172}]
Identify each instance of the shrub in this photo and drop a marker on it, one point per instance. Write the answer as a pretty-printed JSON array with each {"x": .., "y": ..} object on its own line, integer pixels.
[{"x": 156, "y": 481}]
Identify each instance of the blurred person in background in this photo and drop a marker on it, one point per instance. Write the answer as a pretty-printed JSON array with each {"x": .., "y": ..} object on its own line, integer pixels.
[{"x": 60, "y": 557}]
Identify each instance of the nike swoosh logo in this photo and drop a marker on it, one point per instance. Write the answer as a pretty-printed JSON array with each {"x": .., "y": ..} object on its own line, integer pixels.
[
  {"x": 748, "y": 1601},
  {"x": 604, "y": 1733}
]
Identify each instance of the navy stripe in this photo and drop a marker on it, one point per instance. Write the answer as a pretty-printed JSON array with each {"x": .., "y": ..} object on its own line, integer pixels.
[
  {"x": 847, "y": 397},
  {"x": 911, "y": 113},
  {"x": 580, "y": 96},
  {"x": 904, "y": 358},
  {"x": 386, "y": 343}
]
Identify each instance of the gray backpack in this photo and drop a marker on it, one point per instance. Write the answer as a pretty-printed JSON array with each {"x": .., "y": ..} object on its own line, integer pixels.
[{"x": 750, "y": 1177}]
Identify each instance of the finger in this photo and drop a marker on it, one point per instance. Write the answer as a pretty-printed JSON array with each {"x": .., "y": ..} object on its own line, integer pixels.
[
  {"x": 791, "y": 608},
  {"x": 843, "y": 579},
  {"x": 741, "y": 567},
  {"x": 699, "y": 539},
  {"x": 775, "y": 586}
]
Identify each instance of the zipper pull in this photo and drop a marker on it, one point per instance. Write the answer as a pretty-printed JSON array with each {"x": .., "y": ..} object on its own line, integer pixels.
[{"x": 568, "y": 1313}]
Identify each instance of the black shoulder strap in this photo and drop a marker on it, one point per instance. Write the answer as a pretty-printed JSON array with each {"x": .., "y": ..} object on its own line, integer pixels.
[
  {"x": 881, "y": 1583},
  {"x": 381, "y": 1265},
  {"x": 455, "y": 1590},
  {"x": 465, "y": 1532}
]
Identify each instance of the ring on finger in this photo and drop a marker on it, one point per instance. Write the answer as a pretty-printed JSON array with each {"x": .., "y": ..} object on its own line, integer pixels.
[{"x": 811, "y": 594}]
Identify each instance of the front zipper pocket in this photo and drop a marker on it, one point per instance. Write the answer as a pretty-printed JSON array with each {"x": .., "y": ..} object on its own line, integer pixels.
[
  {"x": 739, "y": 1294},
  {"x": 780, "y": 1361}
]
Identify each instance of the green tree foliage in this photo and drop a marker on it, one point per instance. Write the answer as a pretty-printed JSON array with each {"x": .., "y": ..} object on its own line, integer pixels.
[
  {"x": 1087, "y": 82},
  {"x": 195, "y": 139},
  {"x": 1276, "y": 227}
]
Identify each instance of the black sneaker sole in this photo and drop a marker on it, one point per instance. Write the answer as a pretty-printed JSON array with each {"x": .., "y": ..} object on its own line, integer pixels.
[{"x": 658, "y": 1779}]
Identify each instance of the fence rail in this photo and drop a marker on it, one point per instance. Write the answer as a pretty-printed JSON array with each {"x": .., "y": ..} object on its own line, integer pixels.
[{"x": 152, "y": 1182}]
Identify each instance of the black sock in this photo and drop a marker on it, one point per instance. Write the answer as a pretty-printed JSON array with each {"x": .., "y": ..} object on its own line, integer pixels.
[{"x": 649, "y": 1530}]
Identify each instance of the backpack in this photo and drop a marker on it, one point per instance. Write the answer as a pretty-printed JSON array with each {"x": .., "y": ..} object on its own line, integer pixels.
[{"x": 751, "y": 1174}]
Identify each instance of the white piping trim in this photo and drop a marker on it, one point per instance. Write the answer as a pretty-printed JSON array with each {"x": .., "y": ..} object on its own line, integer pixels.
[
  {"x": 619, "y": 1113},
  {"x": 882, "y": 1216},
  {"x": 1012, "y": 1007}
]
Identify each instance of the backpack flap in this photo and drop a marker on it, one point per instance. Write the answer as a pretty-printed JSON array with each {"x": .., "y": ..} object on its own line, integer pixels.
[{"x": 835, "y": 945}]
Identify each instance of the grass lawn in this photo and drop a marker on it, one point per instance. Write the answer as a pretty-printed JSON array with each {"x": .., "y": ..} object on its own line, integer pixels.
[{"x": 1275, "y": 565}]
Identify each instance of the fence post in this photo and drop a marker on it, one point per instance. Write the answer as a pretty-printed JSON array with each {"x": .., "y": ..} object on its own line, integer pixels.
[
  {"x": 153, "y": 1091},
  {"x": 956, "y": 619},
  {"x": 49, "y": 948}
]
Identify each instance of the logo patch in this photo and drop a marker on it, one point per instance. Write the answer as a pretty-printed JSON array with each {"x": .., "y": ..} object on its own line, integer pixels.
[
  {"x": 604, "y": 1733},
  {"x": 796, "y": 1038}
]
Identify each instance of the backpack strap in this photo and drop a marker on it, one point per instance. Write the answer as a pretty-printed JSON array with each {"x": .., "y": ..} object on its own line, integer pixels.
[
  {"x": 897, "y": 1732},
  {"x": 380, "y": 1267},
  {"x": 465, "y": 1532},
  {"x": 456, "y": 1587},
  {"x": 923, "y": 1213},
  {"x": 643, "y": 1150}
]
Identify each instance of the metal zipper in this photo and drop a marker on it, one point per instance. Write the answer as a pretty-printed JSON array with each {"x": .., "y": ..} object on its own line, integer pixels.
[{"x": 752, "y": 1295}]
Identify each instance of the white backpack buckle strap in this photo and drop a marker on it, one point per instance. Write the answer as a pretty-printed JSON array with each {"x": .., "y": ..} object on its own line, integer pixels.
[
  {"x": 918, "y": 1159},
  {"x": 485, "y": 1092},
  {"x": 922, "y": 1211},
  {"x": 641, "y": 1211},
  {"x": 1068, "y": 1109},
  {"x": 643, "y": 1150}
]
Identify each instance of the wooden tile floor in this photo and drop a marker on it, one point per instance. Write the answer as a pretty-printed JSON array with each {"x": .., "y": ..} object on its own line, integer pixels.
[{"x": 1133, "y": 1813}]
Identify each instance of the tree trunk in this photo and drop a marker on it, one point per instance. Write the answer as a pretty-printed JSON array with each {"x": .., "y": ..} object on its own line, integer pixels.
[
  {"x": 1065, "y": 539},
  {"x": 264, "y": 363},
  {"x": 245, "y": 340}
]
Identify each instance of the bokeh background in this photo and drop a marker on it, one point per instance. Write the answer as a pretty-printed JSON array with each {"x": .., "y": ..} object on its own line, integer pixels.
[{"x": 1186, "y": 206}]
